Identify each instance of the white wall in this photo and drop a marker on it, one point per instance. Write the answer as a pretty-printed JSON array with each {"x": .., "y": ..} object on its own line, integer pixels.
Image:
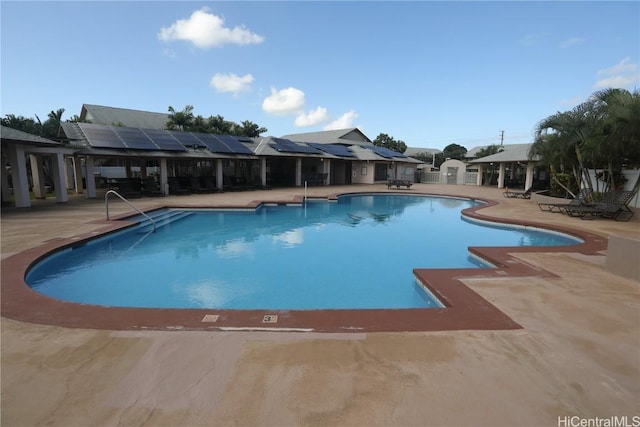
[
  {"x": 362, "y": 172},
  {"x": 630, "y": 174}
]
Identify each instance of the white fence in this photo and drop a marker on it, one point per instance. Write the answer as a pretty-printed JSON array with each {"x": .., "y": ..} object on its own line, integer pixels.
[
  {"x": 430, "y": 177},
  {"x": 470, "y": 178}
]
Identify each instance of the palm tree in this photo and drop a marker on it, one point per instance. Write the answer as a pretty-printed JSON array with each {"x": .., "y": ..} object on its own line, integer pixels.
[
  {"x": 51, "y": 126},
  {"x": 618, "y": 142},
  {"x": 547, "y": 148},
  {"x": 180, "y": 120},
  {"x": 249, "y": 129},
  {"x": 573, "y": 130}
]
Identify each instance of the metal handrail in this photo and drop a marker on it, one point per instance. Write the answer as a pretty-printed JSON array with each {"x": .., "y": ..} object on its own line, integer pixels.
[{"x": 106, "y": 205}]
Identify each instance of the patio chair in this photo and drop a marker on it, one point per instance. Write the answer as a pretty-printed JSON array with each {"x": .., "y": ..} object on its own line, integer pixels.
[
  {"x": 614, "y": 205},
  {"x": 196, "y": 186},
  {"x": 129, "y": 188},
  {"x": 175, "y": 186},
  {"x": 150, "y": 187},
  {"x": 518, "y": 194},
  {"x": 580, "y": 199},
  {"x": 209, "y": 182}
]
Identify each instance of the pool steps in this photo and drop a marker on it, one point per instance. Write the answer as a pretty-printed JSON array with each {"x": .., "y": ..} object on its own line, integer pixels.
[{"x": 161, "y": 217}]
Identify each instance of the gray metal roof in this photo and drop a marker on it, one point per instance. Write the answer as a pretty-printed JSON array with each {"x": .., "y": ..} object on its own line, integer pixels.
[
  {"x": 14, "y": 135},
  {"x": 511, "y": 153},
  {"x": 412, "y": 151},
  {"x": 351, "y": 136},
  {"x": 102, "y": 115},
  {"x": 72, "y": 131}
]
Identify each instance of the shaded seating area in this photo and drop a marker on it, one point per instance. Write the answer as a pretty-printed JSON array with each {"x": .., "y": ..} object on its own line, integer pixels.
[
  {"x": 315, "y": 179},
  {"x": 237, "y": 183},
  {"x": 209, "y": 183},
  {"x": 178, "y": 186},
  {"x": 614, "y": 205},
  {"x": 197, "y": 186},
  {"x": 151, "y": 188},
  {"x": 130, "y": 188},
  {"x": 583, "y": 197}
]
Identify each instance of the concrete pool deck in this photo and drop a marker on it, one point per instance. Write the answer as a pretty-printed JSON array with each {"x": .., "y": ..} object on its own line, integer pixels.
[{"x": 577, "y": 354}]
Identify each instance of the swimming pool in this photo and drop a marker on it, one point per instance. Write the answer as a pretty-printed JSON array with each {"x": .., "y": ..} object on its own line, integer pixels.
[{"x": 356, "y": 253}]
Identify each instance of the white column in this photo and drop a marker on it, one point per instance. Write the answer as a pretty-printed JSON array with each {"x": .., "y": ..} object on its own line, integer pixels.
[
  {"x": 19, "y": 176},
  {"x": 37, "y": 176},
  {"x": 299, "y": 172},
  {"x": 68, "y": 173},
  {"x": 263, "y": 171},
  {"x": 164, "y": 177},
  {"x": 528, "y": 182},
  {"x": 4, "y": 179},
  {"x": 219, "y": 174},
  {"x": 59, "y": 180},
  {"x": 77, "y": 175},
  {"x": 326, "y": 168},
  {"x": 90, "y": 177},
  {"x": 501, "y": 176},
  {"x": 479, "y": 177}
]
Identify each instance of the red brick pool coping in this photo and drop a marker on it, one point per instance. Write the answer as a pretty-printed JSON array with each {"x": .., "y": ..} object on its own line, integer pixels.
[{"x": 464, "y": 309}]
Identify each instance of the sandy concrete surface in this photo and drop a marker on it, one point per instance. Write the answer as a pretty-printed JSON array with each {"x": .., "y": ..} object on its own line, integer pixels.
[{"x": 578, "y": 354}]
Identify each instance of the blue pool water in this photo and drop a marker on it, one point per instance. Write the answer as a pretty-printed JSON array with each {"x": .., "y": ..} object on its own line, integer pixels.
[{"x": 357, "y": 253}]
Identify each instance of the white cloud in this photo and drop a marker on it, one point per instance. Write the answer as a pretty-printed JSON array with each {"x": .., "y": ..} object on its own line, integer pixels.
[
  {"x": 317, "y": 116},
  {"x": 343, "y": 122},
  {"x": 564, "y": 44},
  {"x": 622, "y": 75},
  {"x": 284, "y": 101},
  {"x": 231, "y": 83},
  {"x": 206, "y": 30}
]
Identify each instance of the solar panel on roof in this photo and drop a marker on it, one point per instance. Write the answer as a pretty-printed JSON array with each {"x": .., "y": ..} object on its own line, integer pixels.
[
  {"x": 384, "y": 152},
  {"x": 214, "y": 144},
  {"x": 101, "y": 136},
  {"x": 134, "y": 138},
  {"x": 187, "y": 139},
  {"x": 234, "y": 145},
  {"x": 164, "y": 140},
  {"x": 335, "y": 149},
  {"x": 287, "y": 146}
]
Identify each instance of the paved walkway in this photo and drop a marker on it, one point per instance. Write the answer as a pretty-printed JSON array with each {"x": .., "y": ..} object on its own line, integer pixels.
[{"x": 578, "y": 354}]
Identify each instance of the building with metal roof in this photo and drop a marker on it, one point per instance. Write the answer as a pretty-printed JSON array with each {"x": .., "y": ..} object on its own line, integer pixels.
[{"x": 111, "y": 145}]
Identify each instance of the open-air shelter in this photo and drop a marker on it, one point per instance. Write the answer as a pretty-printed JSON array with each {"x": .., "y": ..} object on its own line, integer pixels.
[
  {"x": 515, "y": 168},
  {"x": 18, "y": 145}
]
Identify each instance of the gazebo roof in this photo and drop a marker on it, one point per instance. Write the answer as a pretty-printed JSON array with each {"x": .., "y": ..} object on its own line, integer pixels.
[
  {"x": 13, "y": 135},
  {"x": 510, "y": 153}
]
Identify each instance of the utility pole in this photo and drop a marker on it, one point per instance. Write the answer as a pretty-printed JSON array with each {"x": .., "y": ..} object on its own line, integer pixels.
[{"x": 501, "y": 137}]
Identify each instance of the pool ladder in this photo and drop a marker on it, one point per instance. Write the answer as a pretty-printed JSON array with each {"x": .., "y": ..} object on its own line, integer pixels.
[{"x": 106, "y": 205}]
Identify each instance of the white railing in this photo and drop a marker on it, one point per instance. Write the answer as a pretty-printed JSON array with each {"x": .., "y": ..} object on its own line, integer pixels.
[
  {"x": 471, "y": 178},
  {"x": 106, "y": 205},
  {"x": 430, "y": 177}
]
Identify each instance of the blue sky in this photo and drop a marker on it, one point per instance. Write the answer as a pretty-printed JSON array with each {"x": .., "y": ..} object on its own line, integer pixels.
[{"x": 427, "y": 73}]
